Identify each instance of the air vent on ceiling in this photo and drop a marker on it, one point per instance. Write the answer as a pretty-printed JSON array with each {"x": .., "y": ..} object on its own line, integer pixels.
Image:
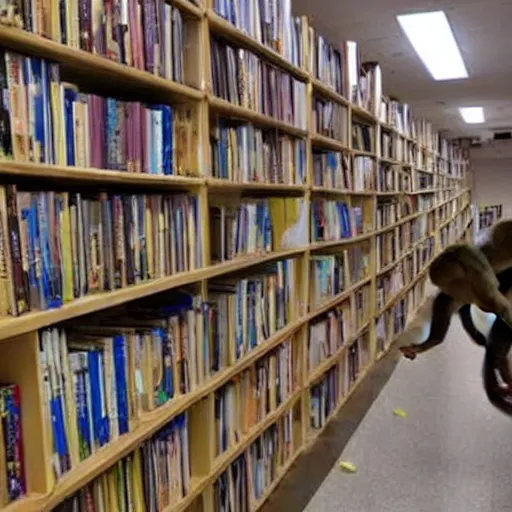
[{"x": 502, "y": 135}]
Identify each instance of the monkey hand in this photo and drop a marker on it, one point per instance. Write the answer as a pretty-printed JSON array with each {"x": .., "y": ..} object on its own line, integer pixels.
[{"x": 410, "y": 351}]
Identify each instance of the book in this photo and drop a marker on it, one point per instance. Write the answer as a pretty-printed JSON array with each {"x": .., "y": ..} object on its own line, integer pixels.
[
  {"x": 246, "y": 400},
  {"x": 330, "y": 119},
  {"x": 12, "y": 464},
  {"x": 332, "y": 170},
  {"x": 91, "y": 243},
  {"x": 242, "y": 78},
  {"x": 269, "y": 22},
  {"x": 244, "y": 153}
]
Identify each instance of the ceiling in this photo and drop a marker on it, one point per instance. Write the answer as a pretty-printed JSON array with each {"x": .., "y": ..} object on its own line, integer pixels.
[{"x": 483, "y": 31}]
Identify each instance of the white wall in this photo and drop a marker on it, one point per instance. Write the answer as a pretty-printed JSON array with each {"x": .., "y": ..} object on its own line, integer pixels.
[{"x": 492, "y": 175}]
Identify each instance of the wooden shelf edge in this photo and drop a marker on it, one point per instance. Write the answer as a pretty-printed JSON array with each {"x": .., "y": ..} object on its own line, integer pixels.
[
  {"x": 28, "y": 43},
  {"x": 317, "y": 139},
  {"x": 322, "y": 89},
  {"x": 223, "y": 184},
  {"x": 89, "y": 174},
  {"x": 236, "y": 111},
  {"x": 33, "y": 321}
]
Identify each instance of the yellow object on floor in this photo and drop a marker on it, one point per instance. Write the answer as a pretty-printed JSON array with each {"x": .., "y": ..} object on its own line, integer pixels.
[
  {"x": 400, "y": 412},
  {"x": 348, "y": 466}
]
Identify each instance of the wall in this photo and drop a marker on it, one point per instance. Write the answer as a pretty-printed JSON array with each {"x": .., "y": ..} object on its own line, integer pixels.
[{"x": 492, "y": 175}]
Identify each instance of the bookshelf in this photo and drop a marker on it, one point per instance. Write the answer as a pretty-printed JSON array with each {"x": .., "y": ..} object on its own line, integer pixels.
[{"x": 311, "y": 219}]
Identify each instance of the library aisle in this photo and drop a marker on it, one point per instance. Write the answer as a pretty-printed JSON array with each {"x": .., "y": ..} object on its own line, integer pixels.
[{"x": 452, "y": 453}]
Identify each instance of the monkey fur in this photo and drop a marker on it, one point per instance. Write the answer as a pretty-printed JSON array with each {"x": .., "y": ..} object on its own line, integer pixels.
[{"x": 467, "y": 275}]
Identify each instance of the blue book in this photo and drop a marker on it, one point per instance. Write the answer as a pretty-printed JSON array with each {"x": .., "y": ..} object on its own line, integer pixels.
[
  {"x": 60, "y": 442},
  {"x": 70, "y": 97},
  {"x": 120, "y": 363},
  {"x": 46, "y": 260},
  {"x": 101, "y": 427},
  {"x": 47, "y": 114},
  {"x": 39, "y": 107}
]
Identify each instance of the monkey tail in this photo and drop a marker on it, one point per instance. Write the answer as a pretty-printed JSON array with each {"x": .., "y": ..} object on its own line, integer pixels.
[
  {"x": 494, "y": 393},
  {"x": 495, "y": 361}
]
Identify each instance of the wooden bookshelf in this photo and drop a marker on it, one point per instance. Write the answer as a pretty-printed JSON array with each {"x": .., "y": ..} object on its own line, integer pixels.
[{"x": 418, "y": 155}]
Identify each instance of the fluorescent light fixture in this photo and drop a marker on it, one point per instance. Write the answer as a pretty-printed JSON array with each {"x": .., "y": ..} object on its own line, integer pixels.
[
  {"x": 431, "y": 36},
  {"x": 472, "y": 115}
]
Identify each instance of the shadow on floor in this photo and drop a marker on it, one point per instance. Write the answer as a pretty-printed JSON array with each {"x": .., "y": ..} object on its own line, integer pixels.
[{"x": 307, "y": 474}]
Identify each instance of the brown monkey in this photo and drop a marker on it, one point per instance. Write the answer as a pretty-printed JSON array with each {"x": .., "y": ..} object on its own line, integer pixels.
[{"x": 467, "y": 275}]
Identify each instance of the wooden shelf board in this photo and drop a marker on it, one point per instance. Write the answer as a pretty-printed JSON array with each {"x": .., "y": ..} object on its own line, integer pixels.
[
  {"x": 361, "y": 152},
  {"x": 362, "y": 113},
  {"x": 103, "y": 176},
  {"x": 320, "y": 309},
  {"x": 219, "y": 26},
  {"x": 342, "y": 192},
  {"x": 321, "y": 141},
  {"x": 390, "y": 161},
  {"x": 320, "y": 246},
  {"x": 324, "y": 366},
  {"x": 324, "y": 90},
  {"x": 189, "y": 8},
  {"x": 219, "y": 184},
  {"x": 33, "y": 321},
  {"x": 101, "y": 67},
  {"x": 226, "y": 108}
]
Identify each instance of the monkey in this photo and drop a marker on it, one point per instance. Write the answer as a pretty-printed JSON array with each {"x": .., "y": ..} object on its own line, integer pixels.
[
  {"x": 467, "y": 275},
  {"x": 497, "y": 344},
  {"x": 441, "y": 313}
]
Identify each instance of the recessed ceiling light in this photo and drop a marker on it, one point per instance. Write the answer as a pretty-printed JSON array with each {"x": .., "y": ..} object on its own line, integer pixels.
[
  {"x": 472, "y": 115},
  {"x": 431, "y": 36}
]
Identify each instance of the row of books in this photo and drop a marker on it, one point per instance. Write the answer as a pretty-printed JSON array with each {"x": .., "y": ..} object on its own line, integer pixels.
[
  {"x": 99, "y": 380},
  {"x": 423, "y": 181},
  {"x": 146, "y": 34},
  {"x": 388, "y": 285},
  {"x": 242, "y": 78},
  {"x": 247, "y": 478},
  {"x": 153, "y": 477},
  {"x": 252, "y": 226},
  {"x": 90, "y": 243},
  {"x": 362, "y": 308},
  {"x": 270, "y": 22},
  {"x": 326, "y": 63},
  {"x": 49, "y": 122},
  {"x": 328, "y": 334},
  {"x": 13, "y": 483},
  {"x": 332, "y": 169},
  {"x": 243, "y": 313},
  {"x": 330, "y": 119},
  {"x": 388, "y": 177},
  {"x": 332, "y": 274},
  {"x": 245, "y": 401},
  {"x": 244, "y": 153},
  {"x": 364, "y": 178},
  {"x": 391, "y": 323},
  {"x": 362, "y": 137},
  {"x": 332, "y": 220}
]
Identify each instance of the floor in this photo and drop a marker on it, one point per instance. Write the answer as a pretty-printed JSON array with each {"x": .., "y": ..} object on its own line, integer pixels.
[{"x": 453, "y": 453}]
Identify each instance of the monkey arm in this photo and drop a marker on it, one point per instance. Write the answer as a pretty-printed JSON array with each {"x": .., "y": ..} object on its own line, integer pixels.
[
  {"x": 469, "y": 326},
  {"x": 443, "y": 308}
]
